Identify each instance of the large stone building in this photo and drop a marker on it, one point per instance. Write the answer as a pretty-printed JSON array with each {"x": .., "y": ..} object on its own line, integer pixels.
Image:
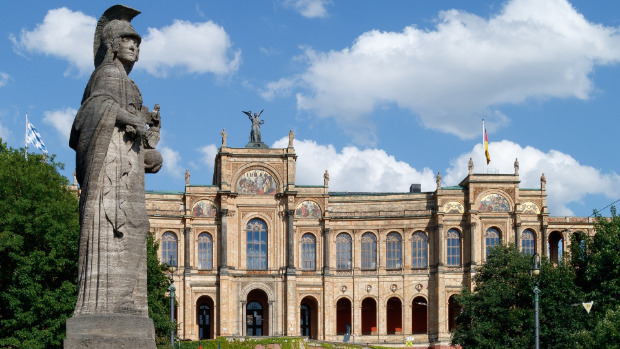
[{"x": 258, "y": 255}]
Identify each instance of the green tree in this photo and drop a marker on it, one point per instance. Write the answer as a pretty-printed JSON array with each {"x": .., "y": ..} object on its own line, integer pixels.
[
  {"x": 499, "y": 313},
  {"x": 157, "y": 287},
  {"x": 39, "y": 228},
  {"x": 597, "y": 262}
]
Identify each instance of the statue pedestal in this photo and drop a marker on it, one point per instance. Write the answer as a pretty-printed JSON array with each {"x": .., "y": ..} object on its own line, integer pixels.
[{"x": 113, "y": 331}]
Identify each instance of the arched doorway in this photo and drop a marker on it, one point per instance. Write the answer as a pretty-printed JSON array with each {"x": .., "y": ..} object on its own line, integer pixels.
[
  {"x": 556, "y": 246},
  {"x": 308, "y": 318},
  {"x": 369, "y": 316},
  {"x": 419, "y": 310},
  {"x": 453, "y": 310},
  {"x": 204, "y": 309},
  {"x": 343, "y": 316},
  {"x": 257, "y": 314},
  {"x": 394, "y": 316}
]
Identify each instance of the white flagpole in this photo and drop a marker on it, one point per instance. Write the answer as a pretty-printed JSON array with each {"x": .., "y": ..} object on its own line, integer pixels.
[
  {"x": 26, "y": 138},
  {"x": 484, "y": 148}
]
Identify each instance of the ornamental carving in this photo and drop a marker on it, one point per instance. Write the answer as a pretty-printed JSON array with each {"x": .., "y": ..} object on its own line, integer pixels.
[
  {"x": 453, "y": 207},
  {"x": 530, "y": 208}
]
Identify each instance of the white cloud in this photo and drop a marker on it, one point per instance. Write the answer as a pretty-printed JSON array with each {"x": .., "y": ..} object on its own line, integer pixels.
[
  {"x": 63, "y": 34},
  {"x": 309, "y": 8},
  {"x": 4, "y": 133},
  {"x": 282, "y": 88},
  {"x": 62, "y": 120},
  {"x": 193, "y": 47},
  {"x": 463, "y": 69},
  {"x": 567, "y": 180},
  {"x": 354, "y": 169},
  {"x": 172, "y": 160},
  {"x": 209, "y": 152},
  {"x": 4, "y": 79}
]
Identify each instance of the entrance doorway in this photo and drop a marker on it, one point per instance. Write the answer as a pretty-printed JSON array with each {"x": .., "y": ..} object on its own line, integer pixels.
[
  {"x": 308, "y": 317},
  {"x": 204, "y": 308},
  {"x": 257, "y": 314}
]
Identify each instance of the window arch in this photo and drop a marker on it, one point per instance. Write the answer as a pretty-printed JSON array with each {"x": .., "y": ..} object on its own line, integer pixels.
[
  {"x": 205, "y": 251},
  {"x": 169, "y": 249},
  {"x": 491, "y": 239},
  {"x": 527, "y": 242},
  {"x": 394, "y": 251},
  {"x": 256, "y": 245},
  {"x": 453, "y": 248},
  {"x": 419, "y": 249},
  {"x": 369, "y": 251},
  {"x": 343, "y": 251},
  {"x": 308, "y": 252}
]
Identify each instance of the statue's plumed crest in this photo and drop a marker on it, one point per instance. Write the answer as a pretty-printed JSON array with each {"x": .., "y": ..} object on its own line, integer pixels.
[{"x": 116, "y": 12}]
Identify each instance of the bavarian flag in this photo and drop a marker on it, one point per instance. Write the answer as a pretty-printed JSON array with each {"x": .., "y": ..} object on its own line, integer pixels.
[{"x": 485, "y": 141}]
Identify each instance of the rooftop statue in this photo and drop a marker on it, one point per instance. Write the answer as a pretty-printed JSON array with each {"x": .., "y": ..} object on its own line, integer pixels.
[
  {"x": 255, "y": 133},
  {"x": 114, "y": 149}
]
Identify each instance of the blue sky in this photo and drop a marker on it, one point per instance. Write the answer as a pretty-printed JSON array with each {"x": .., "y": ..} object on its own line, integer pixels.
[{"x": 382, "y": 94}]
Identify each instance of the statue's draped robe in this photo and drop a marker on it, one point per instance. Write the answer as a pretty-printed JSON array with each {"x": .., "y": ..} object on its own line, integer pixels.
[
  {"x": 255, "y": 133},
  {"x": 113, "y": 219}
]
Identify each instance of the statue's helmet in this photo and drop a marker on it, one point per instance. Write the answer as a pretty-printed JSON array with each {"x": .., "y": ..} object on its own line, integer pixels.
[{"x": 113, "y": 25}]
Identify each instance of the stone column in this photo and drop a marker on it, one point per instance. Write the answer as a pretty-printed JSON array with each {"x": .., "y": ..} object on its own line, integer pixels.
[
  {"x": 325, "y": 251},
  {"x": 543, "y": 248},
  {"x": 290, "y": 265},
  {"x": 472, "y": 244},
  {"x": 243, "y": 321},
  {"x": 187, "y": 232},
  {"x": 440, "y": 245},
  {"x": 518, "y": 236},
  {"x": 224, "y": 242}
]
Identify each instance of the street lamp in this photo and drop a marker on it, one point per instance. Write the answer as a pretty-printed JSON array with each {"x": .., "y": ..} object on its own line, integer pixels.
[
  {"x": 534, "y": 273},
  {"x": 171, "y": 268}
]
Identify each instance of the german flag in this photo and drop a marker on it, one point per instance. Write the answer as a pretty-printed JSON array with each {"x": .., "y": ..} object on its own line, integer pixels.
[{"x": 485, "y": 141}]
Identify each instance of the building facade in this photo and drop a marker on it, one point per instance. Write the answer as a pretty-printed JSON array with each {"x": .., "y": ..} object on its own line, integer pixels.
[{"x": 258, "y": 255}]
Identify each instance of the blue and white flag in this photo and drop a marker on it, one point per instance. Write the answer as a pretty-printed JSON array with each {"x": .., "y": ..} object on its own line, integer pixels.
[{"x": 33, "y": 137}]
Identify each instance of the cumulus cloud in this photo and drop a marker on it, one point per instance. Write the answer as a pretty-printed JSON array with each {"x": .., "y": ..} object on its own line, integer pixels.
[
  {"x": 464, "y": 68},
  {"x": 309, "y": 8},
  {"x": 568, "y": 181},
  {"x": 62, "y": 120},
  {"x": 4, "y": 133},
  {"x": 194, "y": 47},
  {"x": 354, "y": 169},
  {"x": 4, "y": 79},
  {"x": 208, "y": 154},
  {"x": 172, "y": 160},
  {"x": 191, "y": 47},
  {"x": 64, "y": 34}
]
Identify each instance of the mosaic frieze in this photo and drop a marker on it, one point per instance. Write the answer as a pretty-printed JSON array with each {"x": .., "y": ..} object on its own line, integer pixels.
[
  {"x": 256, "y": 182},
  {"x": 307, "y": 209},
  {"x": 494, "y": 203},
  {"x": 204, "y": 208}
]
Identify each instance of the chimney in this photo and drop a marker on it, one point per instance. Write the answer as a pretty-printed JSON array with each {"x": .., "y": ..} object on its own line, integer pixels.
[{"x": 415, "y": 188}]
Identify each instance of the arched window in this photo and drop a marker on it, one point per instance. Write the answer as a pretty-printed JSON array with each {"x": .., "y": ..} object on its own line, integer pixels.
[
  {"x": 369, "y": 251},
  {"x": 394, "y": 251},
  {"x": 419, "y": 249},
  {"x": 169, "y": 249},
  {"x": 343, "y": 252},
  {"x": 453, "y": 248},
  {"x": 527, "y": 242},
  {"x": 453, "y": 310},
  {"x": 492, "y": 239},
  {"x": 308, "y": 252},
  {"x": 256, "y": 245},
  {"x": 205, "y": 251}
]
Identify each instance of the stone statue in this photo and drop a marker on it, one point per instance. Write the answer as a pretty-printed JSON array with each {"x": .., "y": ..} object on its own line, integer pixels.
[
  {"x": 471, "y": 166},
  {"x": 516, "y": 167},
  {"x": 113, "y": 149},
  {"x": 326, "y": 178},
  {"x": 187, "y": 175},
  {"x": 256, "y": 122},
  {"x": 224, "y": 135},
  {"x": 438, "y": 179},
  {"x": 291, "y": 137},
  {"x": 75, "y": 178},
  {"x": 543, "y": 182}
]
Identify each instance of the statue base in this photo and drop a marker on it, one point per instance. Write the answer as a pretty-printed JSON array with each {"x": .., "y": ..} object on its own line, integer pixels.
[
  {"x": 113, "y": 331},
  {"x": 256, "y": 145}
]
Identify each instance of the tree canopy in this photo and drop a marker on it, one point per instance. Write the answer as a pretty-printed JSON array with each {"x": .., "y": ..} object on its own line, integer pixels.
[
  {"x": 500, "y": 311},
  {"x": 39, "y": 228}
]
